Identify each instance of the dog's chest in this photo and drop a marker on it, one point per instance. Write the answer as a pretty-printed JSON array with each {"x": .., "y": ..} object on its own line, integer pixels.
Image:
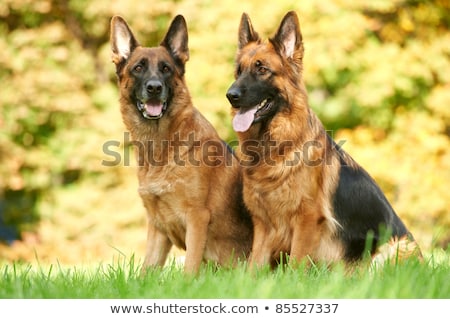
[
  {"x": 165, "y": 210},
  {"x": 157, "y": 180},
  {"x": 163, "y": 193},
  {"x": 157, "y": 187},
  {"x": 272, "y": 196}
]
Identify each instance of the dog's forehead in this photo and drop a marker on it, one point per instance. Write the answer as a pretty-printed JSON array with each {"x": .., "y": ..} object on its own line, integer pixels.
[
  {"x": 153, "y": 55},
  {"x": 263, "y": 52}
]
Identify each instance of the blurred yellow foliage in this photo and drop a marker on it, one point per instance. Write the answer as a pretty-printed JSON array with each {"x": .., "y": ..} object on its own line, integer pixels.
[{"x": 378, "y": 75}]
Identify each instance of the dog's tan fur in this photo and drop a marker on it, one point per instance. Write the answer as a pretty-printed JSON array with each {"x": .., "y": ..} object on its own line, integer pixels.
[
  {"x": 196, "y": 206},
  {"x": 292, "y": 206},
  {"x": 286, "y": 220}
]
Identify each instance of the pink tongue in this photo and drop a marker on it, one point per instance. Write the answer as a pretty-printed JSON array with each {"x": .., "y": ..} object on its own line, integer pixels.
[
  {"x": 153, "y": 110},
  {"x": 243, "y": 120}
]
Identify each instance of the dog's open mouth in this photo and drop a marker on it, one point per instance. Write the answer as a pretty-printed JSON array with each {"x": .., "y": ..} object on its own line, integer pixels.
[
  {"x": 152, "y": 110},
  {"x": 245, "y": 118}
]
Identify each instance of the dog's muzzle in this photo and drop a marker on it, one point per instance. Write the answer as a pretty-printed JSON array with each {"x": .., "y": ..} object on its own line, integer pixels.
[{"x": 153, "y": 103}]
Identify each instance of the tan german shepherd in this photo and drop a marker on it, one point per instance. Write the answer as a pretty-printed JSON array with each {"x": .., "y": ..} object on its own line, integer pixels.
[
  {"x": 189, "y": 180},
  {"x": 307, "y": 197}
]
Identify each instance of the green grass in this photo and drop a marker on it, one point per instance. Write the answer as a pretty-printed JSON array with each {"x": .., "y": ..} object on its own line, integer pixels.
[{"x": 121, "y": 279}]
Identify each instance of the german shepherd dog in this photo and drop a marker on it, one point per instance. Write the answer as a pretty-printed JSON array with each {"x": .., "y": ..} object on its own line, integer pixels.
[
  {"x": 190, "y": 182},
  {"x": 307, "y": 197}
]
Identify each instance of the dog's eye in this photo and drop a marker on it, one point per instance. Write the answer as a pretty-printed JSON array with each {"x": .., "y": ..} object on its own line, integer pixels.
[
  {"x": 262, "y": 70},
  {"x": 165, "y": 69},
  {"x": 138, "y": 68}
]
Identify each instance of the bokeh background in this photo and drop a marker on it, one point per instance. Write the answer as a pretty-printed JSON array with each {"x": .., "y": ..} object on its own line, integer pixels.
[{"x": 377, "y": 72}]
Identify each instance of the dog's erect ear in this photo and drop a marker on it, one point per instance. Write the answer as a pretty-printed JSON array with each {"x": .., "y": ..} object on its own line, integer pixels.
[
  {"x": 122, "y": 40},
  {"x": 176, "y": 40},
  {"x": 288, "y": 39},
  {"x": 246, "y": 32}
]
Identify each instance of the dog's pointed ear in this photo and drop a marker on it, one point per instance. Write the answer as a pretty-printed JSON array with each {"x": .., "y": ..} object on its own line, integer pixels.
[
  {"x": 246, "y": 32},
  {"x": 176, "y": 40},
  {"x": 122, "y": 40},
  {"x": 288, "y": 39}
]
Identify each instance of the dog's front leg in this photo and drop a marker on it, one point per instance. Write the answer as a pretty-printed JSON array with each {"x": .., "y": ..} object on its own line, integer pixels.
[
  {"x": 261, "y": 250},
  {"x": 158, "y": 247},
  {"x": 196, "y": 235},
  {"x": 307, "y": 230}
]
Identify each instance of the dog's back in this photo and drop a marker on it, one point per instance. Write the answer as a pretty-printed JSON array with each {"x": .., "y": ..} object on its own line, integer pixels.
[{"x": 365, "y": 216}]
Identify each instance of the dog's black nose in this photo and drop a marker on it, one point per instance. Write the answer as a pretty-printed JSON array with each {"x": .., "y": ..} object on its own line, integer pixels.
[
  {"x": 154, "y": 87},
  {"x": 234, "y": 94}
]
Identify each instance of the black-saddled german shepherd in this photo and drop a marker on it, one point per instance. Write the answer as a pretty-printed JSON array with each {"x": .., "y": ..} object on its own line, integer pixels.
[
  {"x": 306, "y": 195},
  {"x": 189, "y": 180}
]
